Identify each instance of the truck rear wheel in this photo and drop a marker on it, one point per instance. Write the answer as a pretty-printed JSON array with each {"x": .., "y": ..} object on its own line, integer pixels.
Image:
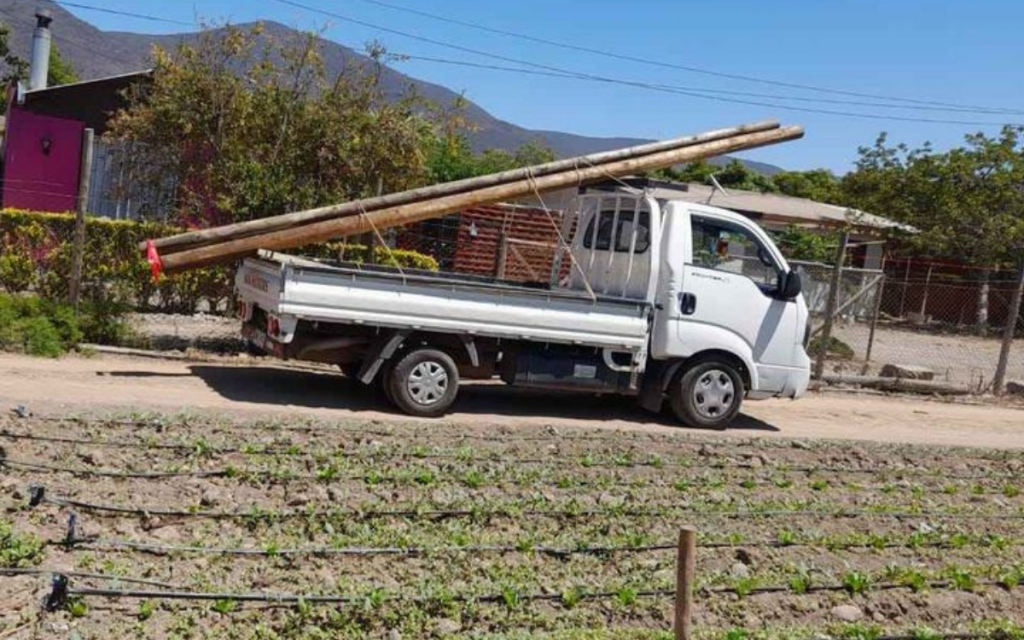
[
  {"x": 424, "y": 382},
  {"x": 707, "y": 394}
]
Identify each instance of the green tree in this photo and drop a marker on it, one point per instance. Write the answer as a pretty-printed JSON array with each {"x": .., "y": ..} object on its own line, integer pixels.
[
  {"x": 14, "y": 67},
  {"x": 820, "y": 185},
  {"x": 967, "y": 203},
  {"x": 60, "y": 70},
  {"x": 797, "y": 243},
  {"x": 242, "y": 127},
  {"x": 451, "y": 158}
]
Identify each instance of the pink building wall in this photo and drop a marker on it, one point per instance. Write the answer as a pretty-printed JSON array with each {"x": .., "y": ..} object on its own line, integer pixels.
[{"x": 41, "y": 161}]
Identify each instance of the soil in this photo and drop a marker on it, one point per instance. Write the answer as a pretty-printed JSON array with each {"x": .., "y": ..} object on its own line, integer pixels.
[
  {"x": 870, "y": 493},
  {"x": 258, "y": 387}
]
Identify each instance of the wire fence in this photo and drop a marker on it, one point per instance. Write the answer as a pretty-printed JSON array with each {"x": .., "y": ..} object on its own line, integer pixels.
[{"x": 943, "y": 332}]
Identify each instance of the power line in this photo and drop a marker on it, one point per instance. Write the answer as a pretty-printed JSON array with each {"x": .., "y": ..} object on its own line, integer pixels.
[
  {"x": 679, "y": 67},
  {"x": 705, "y": 90},
  {"x": 620, "y": 81},
  {"x": 129, "y": 14}
]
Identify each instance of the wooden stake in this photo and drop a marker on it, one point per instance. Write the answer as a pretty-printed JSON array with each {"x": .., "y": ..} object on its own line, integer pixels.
[
  {"x": 685, "y": 571},
  {"x": 78, "y": 242},
  {"x": 193, "y": 239},
  {"x": 417, "y": 211}
]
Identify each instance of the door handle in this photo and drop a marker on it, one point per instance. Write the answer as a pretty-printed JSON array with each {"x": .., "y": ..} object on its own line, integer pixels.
[{"x": 687, "y": 303}]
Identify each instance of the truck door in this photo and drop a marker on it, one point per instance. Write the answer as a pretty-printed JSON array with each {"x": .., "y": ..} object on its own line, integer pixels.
[{"x": 727, "y": 297}]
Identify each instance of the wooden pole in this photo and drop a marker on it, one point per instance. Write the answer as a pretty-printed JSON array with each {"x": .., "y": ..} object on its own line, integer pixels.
[
  {"x": 874, "y": 321},
  {"x": 416, "y": 211},
  {"x": 1013, "y": 314},
  {"x": 78, "y": 242},
  {"x": 686, "y": 558},
  {"x": 193, "y": 239},
  {"x": 830, "y": 306}
]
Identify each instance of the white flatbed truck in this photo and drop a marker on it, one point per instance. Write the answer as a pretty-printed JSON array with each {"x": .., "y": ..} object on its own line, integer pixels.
[{"x": 662, "y": 300}]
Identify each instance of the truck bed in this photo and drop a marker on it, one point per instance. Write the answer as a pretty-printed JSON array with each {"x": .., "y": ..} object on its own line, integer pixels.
[{"x": 447, "y": 303}]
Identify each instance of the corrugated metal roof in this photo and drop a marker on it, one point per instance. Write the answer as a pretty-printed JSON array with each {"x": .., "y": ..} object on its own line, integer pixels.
[{"x": 773, "y": 207}]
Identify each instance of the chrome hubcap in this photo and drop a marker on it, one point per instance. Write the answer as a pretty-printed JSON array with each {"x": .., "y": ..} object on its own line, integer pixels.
[
  {"x": 427, "y": 382},
  {"x": 713, "y": 394}
]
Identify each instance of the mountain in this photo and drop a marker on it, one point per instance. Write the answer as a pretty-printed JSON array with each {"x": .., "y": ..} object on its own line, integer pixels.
[{"x": 95, "y": 53}]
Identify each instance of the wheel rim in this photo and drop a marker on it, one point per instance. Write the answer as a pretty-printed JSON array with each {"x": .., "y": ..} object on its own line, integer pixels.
[
  {"x": 427, "y": 382},
  {"x": 714, "y": 394}
]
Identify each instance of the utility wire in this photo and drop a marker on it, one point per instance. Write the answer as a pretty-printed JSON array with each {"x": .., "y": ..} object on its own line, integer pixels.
[
  {"x": 707, "y": 90},
  {"x": 620, "y": 81},
  {"x": 702, "y": 93},
  {"x": 669, "y": 65},
  {"x": 129, "y": 14}
]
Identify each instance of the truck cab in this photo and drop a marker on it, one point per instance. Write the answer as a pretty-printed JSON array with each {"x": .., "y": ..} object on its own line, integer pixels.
[{"x": 664, "y": 300}]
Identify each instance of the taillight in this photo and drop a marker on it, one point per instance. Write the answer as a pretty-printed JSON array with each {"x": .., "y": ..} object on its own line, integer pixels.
[
  {"x": 242, "y": 310},
  {"x": 273, "y": 326}
]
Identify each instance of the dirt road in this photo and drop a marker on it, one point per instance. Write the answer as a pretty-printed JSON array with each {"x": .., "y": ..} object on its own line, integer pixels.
[{"x": 109, "y": 382}]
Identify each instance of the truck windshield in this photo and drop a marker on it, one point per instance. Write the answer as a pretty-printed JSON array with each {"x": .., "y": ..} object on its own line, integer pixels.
[{"x": 620, "y": 233}]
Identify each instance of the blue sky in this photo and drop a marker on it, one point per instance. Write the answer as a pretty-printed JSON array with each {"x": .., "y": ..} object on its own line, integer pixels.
[{"x": 962, "y": 52}]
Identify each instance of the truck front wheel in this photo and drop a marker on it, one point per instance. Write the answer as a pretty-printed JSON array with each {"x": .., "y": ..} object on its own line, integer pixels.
[
  {"x": 424, "y": 382},
  {"x": 707, "y": 394}
]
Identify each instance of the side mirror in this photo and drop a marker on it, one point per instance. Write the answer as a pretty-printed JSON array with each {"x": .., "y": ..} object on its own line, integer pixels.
[{"x": 790, "y": 285}]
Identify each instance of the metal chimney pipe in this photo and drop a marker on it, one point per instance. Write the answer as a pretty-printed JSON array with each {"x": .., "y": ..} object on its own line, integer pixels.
[{"x": 39, "y": 68}]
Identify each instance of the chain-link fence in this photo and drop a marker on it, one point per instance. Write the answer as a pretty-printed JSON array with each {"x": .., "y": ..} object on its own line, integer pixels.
[{"x": 947, "y": 329}]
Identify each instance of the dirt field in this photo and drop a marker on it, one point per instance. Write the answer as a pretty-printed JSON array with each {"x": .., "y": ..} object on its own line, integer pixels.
[{"x": 511, "y": 531}]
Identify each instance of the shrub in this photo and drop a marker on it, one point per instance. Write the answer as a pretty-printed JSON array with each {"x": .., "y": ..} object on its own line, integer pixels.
[
  {"x": 17, "y": 550},
  {"x": 836, "y": 348},
  {"x": 29, "y": 324},
  {"x": 35, "y": 255}
]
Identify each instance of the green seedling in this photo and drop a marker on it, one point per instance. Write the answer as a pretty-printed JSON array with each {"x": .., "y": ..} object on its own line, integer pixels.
[
  {"x": 425, "y": 477},
  {"x": 783, "y": 483},
  {"x": 787, "y": 538},
  {"x": 626, "y": 596},
  {"x": 473, "y": 479},
  {"x": 146, "y": 608},
  {"x": 682, "y": 485},
  {"x": 571, "y": 597},
  {"x": 373, "y": 478},
  {"x": 744, "y": 586},
  {"x": 1011, "y": 491},
  {"x": 224, "y": 606},
  {"x": 748, "y": 484},
  {"x": 819, "y": 485},
  {"x": 77, "y": 608},
  {"x": 856, "y": 583}
]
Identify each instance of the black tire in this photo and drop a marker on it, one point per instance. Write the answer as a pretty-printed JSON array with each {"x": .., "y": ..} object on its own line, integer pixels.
[
  {"x": 707, "y": 394},
  {"x": 439, "y": 382}
]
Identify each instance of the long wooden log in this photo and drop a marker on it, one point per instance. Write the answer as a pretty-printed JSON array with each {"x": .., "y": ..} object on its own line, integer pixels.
[
  {"x": 417, "y": 211},
  {"x": 202, "y": 237}
]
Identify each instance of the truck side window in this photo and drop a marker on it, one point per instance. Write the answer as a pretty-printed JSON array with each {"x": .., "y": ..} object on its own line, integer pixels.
[
  {"x": 623, "y": 235},
  {"x": 728, "y": 247}
]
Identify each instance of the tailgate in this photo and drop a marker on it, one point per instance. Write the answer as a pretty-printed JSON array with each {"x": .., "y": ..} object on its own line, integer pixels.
[{"x": 261, "y": 283}]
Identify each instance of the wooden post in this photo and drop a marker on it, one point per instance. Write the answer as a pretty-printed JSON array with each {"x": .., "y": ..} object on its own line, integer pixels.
[
  {"x": 502, "y": 258},
  {"x": 78, "y": 246},
  {"x": 685, "y": 569},
  {"x": 879, "y": 292},
  {"x": 833, "y": 302},
  {"x": 1013, "y": 314}
]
